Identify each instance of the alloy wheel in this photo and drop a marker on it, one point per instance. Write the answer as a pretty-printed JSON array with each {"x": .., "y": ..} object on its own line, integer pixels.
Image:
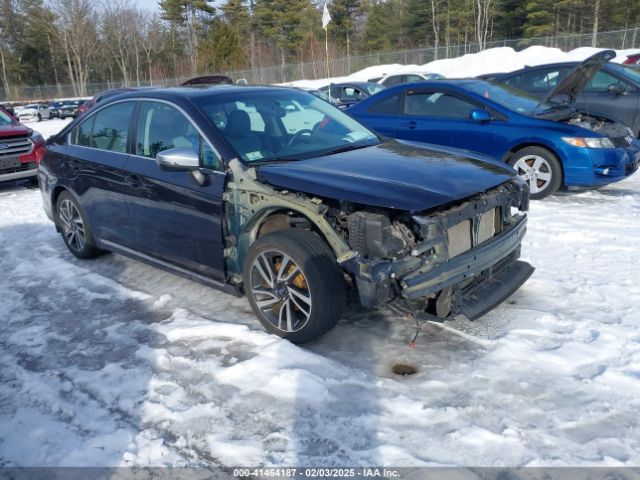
[
  {"x": 72, "y": 225},
  {"x": 280, "y": 290},
  {"x": 535, "y": 170}
]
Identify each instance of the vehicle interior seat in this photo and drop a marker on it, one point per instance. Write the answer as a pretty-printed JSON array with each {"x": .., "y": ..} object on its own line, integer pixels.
[{"x": 239, "y": 134}]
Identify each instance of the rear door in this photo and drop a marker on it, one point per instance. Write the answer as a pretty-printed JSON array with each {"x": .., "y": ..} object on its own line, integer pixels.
[
  {"x": 177, "y": 218},
  {"x": 443, "y": 117},
  {"x": 383, "y": 115},
  {"x": 92, "y": 162}
]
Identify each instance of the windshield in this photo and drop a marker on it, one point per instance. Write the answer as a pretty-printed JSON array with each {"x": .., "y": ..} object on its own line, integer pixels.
[
  {"x": 509, "y": 97},
  {"x": 630, "y": 73},
  {"x": 33, "y": 105},
  {"x": 5, "y": 119},
  {"x": 282, "y": 125}
]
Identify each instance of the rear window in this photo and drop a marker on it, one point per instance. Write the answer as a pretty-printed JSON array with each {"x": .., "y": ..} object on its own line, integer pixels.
[{"x": 106, "y": 130}]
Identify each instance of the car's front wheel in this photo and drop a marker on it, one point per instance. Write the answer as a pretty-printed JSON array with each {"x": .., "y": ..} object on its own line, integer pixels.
[
  {"x": 294, "y": 285},
  {"x": 74, "y": 227},
  {"x": 540, "y": 168}
]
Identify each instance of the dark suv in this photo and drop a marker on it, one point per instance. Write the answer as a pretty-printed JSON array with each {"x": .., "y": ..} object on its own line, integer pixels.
[{"x": 236, "y": 188}]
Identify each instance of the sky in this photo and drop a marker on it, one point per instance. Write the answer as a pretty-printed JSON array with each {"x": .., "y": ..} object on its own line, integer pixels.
[{"x": 151, "y": 5}]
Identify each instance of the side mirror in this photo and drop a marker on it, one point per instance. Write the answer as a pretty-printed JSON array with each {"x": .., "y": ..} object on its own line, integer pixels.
[
  {"x": 178, "y": 159},
  {"x": 480, "y": 115},
  {"x": 616, "y": 89}
]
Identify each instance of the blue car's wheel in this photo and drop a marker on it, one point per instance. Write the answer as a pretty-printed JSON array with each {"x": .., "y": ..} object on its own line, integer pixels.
[{"x": 539, "y": 168}]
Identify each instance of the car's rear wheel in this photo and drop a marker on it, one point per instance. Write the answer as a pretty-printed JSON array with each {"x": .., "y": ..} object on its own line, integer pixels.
[
  {"x": 75, "y": 228},
  {"x": 540, "y": 168},
  {"x": 293, "y": 285}
]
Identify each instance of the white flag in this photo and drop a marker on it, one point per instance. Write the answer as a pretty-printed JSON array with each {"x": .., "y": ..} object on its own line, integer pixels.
[{"x": 326, "y": 18}]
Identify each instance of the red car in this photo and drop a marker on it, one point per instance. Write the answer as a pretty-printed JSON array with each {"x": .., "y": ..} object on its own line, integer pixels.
[
  {"x": 21, "y": 149},
  {"x": 632, "y": 59}
]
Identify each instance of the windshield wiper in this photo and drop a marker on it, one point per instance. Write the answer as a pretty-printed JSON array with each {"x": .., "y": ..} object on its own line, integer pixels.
[
  {"x": 346, "y": 148},
  {"x": 552, "y": 108}
]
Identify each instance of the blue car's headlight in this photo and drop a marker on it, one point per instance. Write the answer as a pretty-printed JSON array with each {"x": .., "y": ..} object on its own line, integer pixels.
[{"x": 594, "y": 142}]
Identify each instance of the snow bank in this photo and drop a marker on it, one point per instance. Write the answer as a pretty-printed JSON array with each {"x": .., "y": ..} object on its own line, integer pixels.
[{"x": 493, "y": 60}]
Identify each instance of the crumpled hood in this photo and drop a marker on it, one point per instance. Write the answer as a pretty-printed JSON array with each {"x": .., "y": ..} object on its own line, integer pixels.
[
  {"x": 399, "y": 175},
  {"x": 577, "y": 79}
]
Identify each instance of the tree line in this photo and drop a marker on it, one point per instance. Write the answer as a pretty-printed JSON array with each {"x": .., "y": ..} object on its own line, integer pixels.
[{"x": 79, "y": 42}]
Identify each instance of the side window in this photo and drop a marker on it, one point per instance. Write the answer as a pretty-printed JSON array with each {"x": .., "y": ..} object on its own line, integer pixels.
[
  {"x": 394, "y": 80},
  {"x": 601, "y": 81},
  {"x": 111, "y": 127},
  {"x": 542, "y": 80},
  {"x": 513, "y": 81},
  {"x": 390, "y": 105},
  {"x": 413, "y": 78},
  {"x": 106, "y": 130},
  {"x": 162, "y": 127},
  {"x": 437, "y": 104},
  {"x": 81, "y": 135}
]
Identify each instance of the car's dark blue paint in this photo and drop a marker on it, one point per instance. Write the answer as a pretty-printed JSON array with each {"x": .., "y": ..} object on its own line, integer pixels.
[
  {"x": 174, "y": 219},
  {"x": 506, "y": 132},
  {"x": 393, "y": 175}
]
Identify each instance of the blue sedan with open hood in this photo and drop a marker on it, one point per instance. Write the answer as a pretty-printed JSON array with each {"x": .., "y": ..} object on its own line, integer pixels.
[
  {"x": 275, "y": 194},
  {"x": 550, "y": 144}
]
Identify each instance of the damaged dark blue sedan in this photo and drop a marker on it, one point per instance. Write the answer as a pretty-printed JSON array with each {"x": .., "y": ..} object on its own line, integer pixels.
[{"x": 275, "y": 194}]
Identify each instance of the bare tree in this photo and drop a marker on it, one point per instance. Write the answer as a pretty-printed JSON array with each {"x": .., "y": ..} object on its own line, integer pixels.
[
  {"x": 76, "y": 30},
  {"x": 120, "y": 24},
  {"x": 153, "y": 39},
  {"x": 596, "y": 17},
  {"x": 484, "y": 12}
]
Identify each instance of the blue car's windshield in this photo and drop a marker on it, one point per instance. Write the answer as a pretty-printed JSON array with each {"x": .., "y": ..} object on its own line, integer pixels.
[
  {"x": 509, "y": 97},
  {"x": 287, "y": 124}
]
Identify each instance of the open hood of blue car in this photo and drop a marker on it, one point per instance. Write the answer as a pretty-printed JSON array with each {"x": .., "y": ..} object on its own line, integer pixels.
[{"x": 398, "y": 175}]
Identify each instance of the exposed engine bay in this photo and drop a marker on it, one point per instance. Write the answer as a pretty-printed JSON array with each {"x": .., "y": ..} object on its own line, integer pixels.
[
  {"x": 422, "y": 260},
  {"x": 617, "y": 132}
]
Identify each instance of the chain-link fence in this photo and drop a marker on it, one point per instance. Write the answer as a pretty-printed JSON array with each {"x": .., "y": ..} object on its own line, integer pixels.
[{"x": 619, "y": 39}]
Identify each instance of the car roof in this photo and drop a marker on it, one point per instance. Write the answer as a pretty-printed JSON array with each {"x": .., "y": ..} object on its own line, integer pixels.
[{"x": 196, "y": 92}]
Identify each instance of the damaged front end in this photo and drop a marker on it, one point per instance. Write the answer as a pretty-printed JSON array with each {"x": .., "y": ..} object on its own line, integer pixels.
[{"x": 458, "y": 260}]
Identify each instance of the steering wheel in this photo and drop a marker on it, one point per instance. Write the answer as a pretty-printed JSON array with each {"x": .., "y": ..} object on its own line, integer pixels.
[{"x": 298, "y": 134}]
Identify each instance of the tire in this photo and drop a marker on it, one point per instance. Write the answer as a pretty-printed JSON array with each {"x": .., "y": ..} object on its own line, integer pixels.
[
  {"x": 74, "y": 227},
  {"x": 540, "y": 168},
  {"x": 285, "y": 268}
]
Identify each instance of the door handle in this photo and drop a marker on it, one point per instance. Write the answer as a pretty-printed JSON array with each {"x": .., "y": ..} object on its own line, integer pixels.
[
  {"x": 410, "y": 124},
  {"x": 133, "y": 181}
]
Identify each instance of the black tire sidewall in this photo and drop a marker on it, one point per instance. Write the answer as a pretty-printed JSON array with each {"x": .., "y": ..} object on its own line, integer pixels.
[
  {"x": 554, "y": 163},
  {"x": 90, "y": 249},
  {"x": 325, "y": 280}
]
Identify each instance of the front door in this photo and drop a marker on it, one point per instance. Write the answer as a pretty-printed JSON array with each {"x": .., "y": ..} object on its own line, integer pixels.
[
  {"x": 177, "y": 218},
  {"x": 443, "y": 118}
]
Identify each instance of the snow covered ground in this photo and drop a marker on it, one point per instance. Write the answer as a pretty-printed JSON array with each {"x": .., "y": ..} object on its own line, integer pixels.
[{"x": 111, "y": 362}]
